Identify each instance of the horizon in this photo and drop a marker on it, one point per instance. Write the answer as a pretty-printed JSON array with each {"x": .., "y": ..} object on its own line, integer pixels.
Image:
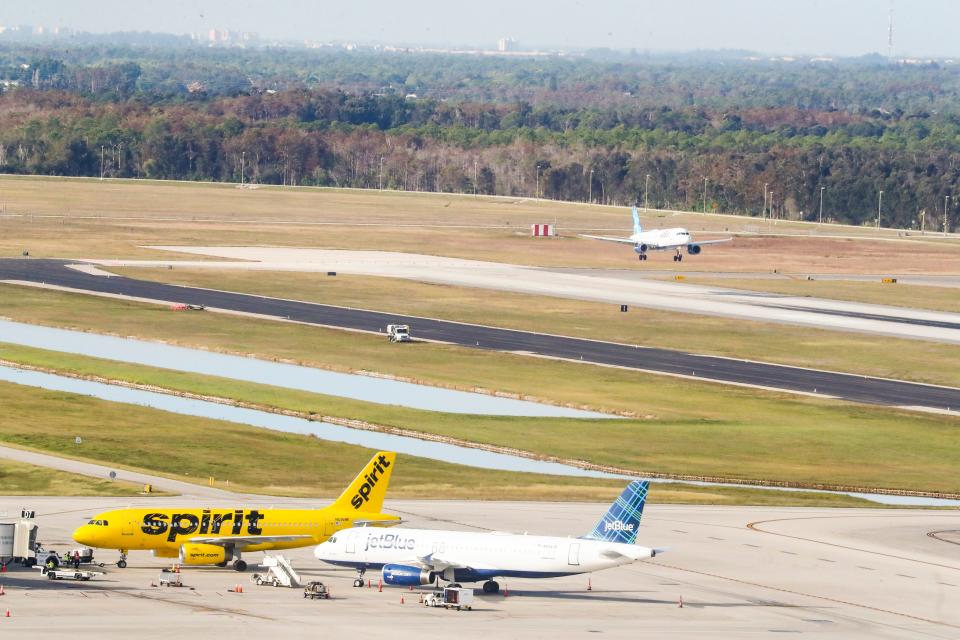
[{"x": 816, "y": 28}]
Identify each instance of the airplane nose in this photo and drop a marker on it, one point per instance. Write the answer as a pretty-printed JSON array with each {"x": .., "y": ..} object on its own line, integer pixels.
[{"x": 85, "y": 535}]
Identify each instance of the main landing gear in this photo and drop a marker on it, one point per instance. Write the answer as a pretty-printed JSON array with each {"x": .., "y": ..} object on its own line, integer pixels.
[
  {"x": 239, "y": 565},
  {"x": 641, "y": 257},
  {"x": 678, "y": 257},
  {"x": 491, "y": 586},
  {"x": 358, "y": 582},
  {"x": 122, "y": 562}
]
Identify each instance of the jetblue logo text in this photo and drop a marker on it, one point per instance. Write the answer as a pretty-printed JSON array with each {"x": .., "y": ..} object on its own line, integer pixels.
[
  {"x": 156, "y": 524},
  {"x": 363, "y": 493},
  {"x": 390, "y": 541},
  {"x": 618, "y": 525}
]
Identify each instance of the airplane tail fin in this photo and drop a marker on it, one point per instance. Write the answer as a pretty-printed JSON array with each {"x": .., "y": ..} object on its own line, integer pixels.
[
  {"x": 621, "y": 522},
  {"x": 367, "y": 491},
  {"x": 636, "y": 221}
]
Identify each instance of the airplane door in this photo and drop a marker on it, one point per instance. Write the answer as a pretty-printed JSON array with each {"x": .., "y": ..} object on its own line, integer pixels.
[
  {"x": 573, "y": 557},
  {"x": 351, "y": 543}
]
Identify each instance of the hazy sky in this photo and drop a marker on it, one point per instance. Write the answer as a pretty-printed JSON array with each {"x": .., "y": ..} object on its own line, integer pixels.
[{"x": 838, "y": 27}]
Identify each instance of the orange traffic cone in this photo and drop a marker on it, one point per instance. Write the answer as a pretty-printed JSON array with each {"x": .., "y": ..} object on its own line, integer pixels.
[
  {"x": 380, "y": 585},
  {"x": 401, "y": 598},
  {"x": 411, "y": 588},
  {"x": 369, "y": 583},
  {"x": 8, "y": 613},
  {"x": 506, "y": 590},
  {"x": 680, "y": 605},
  {"x": 2, "y": 592}
]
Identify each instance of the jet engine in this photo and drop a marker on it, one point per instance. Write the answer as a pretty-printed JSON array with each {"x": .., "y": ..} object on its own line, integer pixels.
[
  {"x": 404, "y": 575},
  {"x": 693, "y": 249},
  {"x": 197, "y": 554},
  {"x": 642, "y": 248}
]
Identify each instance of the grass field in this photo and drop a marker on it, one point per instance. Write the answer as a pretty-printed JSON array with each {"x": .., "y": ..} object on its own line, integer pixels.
[
  {"x": 898, "y": 295},
  {"x": 834, "y": 350},
  {"x": 113, "y": 219},
  {"x": 685, "y": 427},
  {"x": 257, "y": 460},
  {"x": 21, "y": 479}
]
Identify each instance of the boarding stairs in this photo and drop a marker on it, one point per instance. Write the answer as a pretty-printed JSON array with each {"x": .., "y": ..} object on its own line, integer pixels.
[{"x": 281, "y": 572}]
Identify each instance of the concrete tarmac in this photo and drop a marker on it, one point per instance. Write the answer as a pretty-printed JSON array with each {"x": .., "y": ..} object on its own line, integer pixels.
[
  {"x": 740, "y": 572},
  {"x": 592, "y": 285}
]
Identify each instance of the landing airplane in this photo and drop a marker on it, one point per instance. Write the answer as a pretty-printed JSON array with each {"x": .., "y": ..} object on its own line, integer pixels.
[
  {"x": 217, "y": 536},
  {"x": 659, "y": 240},
  {"x": 423, "y": 556}
]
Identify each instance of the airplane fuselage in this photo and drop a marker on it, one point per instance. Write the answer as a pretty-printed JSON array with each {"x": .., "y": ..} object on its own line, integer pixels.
[
  {"x": 476, "y": 556},
  {"x": 661, "y": 239},
  {"x": 168, "y": 529}
]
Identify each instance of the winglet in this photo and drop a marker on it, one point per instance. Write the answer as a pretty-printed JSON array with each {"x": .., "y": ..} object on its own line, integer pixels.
[
  {"x": 366, "y": 492},
  {"x": 636, "y": 220},
  {"x": 622, "y": 520}
]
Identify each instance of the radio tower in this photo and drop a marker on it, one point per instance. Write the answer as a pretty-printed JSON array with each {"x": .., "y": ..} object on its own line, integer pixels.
[{"x": 890, "y": 36}]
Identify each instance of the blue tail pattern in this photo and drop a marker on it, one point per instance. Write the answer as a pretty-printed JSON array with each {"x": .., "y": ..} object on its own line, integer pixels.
[
  {"x": 621, "y": 522},
  {"x": 636, "y": 221}
]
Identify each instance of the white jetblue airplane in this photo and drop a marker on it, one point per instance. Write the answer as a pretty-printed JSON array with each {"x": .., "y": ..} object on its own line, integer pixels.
[
  {"x": 424, "y": 556},
  {"x": 659, "y": 240}
]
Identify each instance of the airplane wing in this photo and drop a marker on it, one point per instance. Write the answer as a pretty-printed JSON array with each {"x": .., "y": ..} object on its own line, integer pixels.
[
  {"x": 718, "y": 241},
  {"x": 377, "y": 523},
  {"x": 609, "y": 239},
  {"x": 239, "y": 542},
  {"x": 437, "y": 563}
]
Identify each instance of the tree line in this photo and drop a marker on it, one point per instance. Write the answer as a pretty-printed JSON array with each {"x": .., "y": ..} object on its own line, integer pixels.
[{"x": 733, "y": 155}]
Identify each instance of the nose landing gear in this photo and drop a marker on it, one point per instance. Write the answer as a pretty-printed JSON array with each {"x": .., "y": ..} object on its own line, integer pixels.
[{"x": 358, "y": 582}]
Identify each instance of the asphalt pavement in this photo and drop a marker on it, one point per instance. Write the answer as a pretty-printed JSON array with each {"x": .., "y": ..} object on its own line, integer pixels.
[{"x": 791, "y": 379}]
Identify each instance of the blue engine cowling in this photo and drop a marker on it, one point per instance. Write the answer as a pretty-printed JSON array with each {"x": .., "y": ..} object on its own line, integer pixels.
[
  {"x": 693, "y": 249},
  {"x": 641, "y": 248},
  {"x": 405, "y": 575}
]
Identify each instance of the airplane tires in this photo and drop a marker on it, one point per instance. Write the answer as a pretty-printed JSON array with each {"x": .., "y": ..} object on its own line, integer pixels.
[
  {"x": 239, "y": 565},
  {"x": 491, "y": 586},
  {"x": 358, "y": 582},
  {"x": 222, "y": 564},
  {"x": 121, "y": 564}
]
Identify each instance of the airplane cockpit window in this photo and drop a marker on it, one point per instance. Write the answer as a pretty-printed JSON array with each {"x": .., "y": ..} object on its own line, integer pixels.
[{"x": 98, "y": 523}]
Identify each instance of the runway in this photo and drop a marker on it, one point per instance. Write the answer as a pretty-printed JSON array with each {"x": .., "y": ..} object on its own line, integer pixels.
[
  {"x": 741, "y": 572},
  {"x": 848, "y": 387},
  {"x": 597, "y": 285}
]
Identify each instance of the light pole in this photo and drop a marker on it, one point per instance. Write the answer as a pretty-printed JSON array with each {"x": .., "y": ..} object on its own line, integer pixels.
[
  {"x": 101, "y": 162},
  {"x": 474, "y": 177},
  {"x": 946, "y": 203},
  {"x": 538, "y": 180},
  {"x": 821, "y": 204},
  {"x": 879, "y": 208},
  {"x": 591, "y": 187},
  {"x": 646, "y": 192},
  {"x": 763, "y": 214},
  {"x": 380, "y": 180},
  {"x": 771, "y": 206},
  {"x": 705, "y": 196}
]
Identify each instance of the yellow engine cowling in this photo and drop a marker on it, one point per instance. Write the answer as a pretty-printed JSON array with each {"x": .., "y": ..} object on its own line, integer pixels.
[{"x": 197, "y": 554}]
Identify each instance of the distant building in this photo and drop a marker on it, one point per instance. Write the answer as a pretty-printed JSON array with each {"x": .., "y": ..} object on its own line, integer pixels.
[{"x": 506, "y": 44}]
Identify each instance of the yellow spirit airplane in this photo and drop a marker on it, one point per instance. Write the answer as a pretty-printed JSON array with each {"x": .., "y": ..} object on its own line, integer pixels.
[{"x": 217, "y": 536}]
